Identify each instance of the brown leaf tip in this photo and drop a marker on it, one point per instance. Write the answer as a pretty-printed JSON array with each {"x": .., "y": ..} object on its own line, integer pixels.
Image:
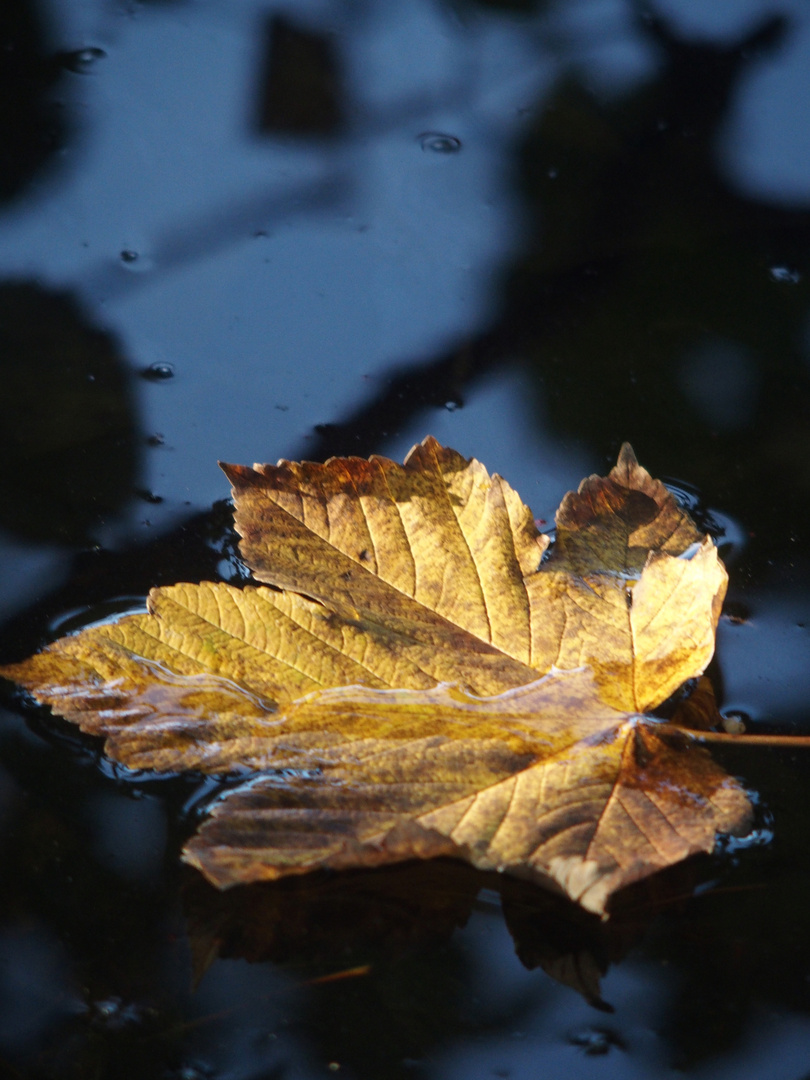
[
  {"x": 430, "y": 452},
  {"x": 627, "y": 473},
  {"x": 239, "y": 475},
  {"x": 627, "y": 459}
]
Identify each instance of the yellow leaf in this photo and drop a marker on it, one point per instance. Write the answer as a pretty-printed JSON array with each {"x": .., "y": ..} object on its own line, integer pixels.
[
  {"x": 388, "y": 547},
  {"x": 427, "y": 581}
]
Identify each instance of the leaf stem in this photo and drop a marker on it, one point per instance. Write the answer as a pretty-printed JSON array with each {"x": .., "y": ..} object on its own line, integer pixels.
[{"x": 801, "y": 741}]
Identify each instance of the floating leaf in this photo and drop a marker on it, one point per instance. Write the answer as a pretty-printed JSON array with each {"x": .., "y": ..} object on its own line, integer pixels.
[{"x": 425, "y": 676}]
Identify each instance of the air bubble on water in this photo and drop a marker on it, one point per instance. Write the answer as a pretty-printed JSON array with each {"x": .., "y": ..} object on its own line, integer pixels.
[
  {"x": 115, "y": 1014},
  {"x": 82, "y": 60},
  {"x": 785, "y": 275},
  {"x": 438, "y": 142},
  {"x": 135, "y": 261},
  {"x": 733, "y": 724},
  {"x": 158, "y": 372},
  {"x": 193, "y": 1071},
  {"x": 594, "y": 1041}
]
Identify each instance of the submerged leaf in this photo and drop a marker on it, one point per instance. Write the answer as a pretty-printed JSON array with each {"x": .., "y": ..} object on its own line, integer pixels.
[{"x": 423, "y": 677}]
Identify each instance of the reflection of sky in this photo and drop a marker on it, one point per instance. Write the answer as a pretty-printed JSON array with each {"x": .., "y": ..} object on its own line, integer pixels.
[
  {"x": 555, "y": 1025},
  {"x": 387, "y": 255},
  {"x": 766, "y": 151},
  {"x": 27, "y": 568},
  {"x": 276, "y": 333},
  {"x": 257, "y": 1000},
  {"x": 279, "y": 312},
  {"x": 32, "y": 986},
  {"x": 539, "y": 468},
  {"x": 766, "y": 660},
  {"x": 766, "y": 148}
]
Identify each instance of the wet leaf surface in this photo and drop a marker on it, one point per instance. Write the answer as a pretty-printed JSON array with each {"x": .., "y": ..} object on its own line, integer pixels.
[{"x": 420, "y": 681}]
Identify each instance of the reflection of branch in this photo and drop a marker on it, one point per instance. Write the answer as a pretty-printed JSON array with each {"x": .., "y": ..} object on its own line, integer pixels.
[
  {"x": 596, "y": 249},
  {"x": 641, "y": 185},
  {"x": 405, "y": 392},
  {"x": 215, "y": 231},
  {"x": 432, "y": 383},
  {"x": 230, "y": 224}
]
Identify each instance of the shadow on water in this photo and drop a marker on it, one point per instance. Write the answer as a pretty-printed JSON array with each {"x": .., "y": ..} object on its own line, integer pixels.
[
  {"x": 649, "y": 300},
  {"x": 69, "y": 440},
  {"x": 33, "y": 127}
]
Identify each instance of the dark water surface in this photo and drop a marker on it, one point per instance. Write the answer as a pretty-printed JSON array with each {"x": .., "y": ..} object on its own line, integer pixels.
[{"x": 242, "y": 231}]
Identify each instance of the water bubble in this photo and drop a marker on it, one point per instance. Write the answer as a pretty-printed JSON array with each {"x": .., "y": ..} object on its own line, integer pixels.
[
  {"x": 451, "y": 406},
  {"x": 193, "y": 1070},
  {"x": 438, "y": 142},
  {"x": 733, "y": 724},
  {"x": 158, "y": 372},
  {"x": 594, "y": 1041},
  {"x": 786, "y": 275},
  {"x": 115, "y": 1014},
  {"x": 82, "y": 60},
  {"x": 135, "y": 261}
]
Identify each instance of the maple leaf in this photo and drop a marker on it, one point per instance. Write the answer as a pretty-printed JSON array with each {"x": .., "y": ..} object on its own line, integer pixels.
[{"x": 425, "y": 676}]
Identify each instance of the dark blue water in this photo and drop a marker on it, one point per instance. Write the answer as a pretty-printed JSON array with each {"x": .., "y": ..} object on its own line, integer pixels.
[{"x": 235, "y": 231}]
